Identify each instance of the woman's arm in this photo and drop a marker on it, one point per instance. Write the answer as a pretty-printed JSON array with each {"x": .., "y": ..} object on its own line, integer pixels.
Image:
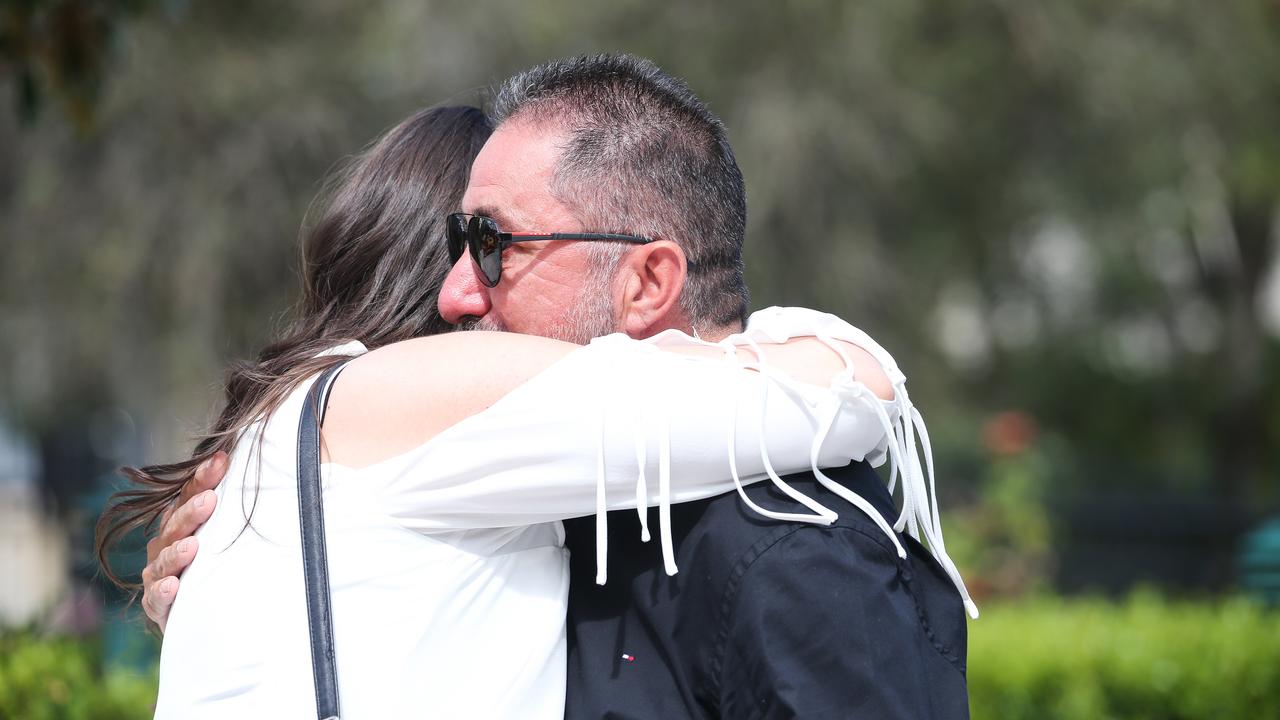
[
  {"x": 398, "y": 397},
  {"x": 492, "y": 430}
]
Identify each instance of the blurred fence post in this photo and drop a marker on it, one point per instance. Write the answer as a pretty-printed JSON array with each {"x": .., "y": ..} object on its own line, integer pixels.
[
  {"x": 34, "y": 550},
  {"x": 1260, "y": 562}
]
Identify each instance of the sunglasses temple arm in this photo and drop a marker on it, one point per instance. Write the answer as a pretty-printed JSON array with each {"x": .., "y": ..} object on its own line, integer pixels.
[{"x": 528, "y": 237}]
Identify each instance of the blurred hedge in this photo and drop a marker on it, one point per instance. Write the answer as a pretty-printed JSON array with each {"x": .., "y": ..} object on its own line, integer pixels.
[
  {"x": 1144, "y": 659},
  {"x": 60, "y": 678}
]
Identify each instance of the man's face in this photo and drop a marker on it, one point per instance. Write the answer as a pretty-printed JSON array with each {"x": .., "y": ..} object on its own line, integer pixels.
[{"x": 547, "y": 288}]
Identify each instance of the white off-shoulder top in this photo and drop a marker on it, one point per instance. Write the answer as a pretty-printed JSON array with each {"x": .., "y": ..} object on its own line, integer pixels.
[{"x": 449, "y": 575}]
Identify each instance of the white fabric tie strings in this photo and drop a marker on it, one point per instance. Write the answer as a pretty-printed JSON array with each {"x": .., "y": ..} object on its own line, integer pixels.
[
  {"x": 664, "y": 495},
  {"x": 822, "y": 515},
  {"x": 924, "y": 508},
  {"x": 920, "y": 502},
  {"x": 862, "y": 393},
  {"x": 642, "y": 487},
  {"x": 919, "y": 516},
  {"x": 642, "y": 420},
  {"x": 602, "y": 506}
]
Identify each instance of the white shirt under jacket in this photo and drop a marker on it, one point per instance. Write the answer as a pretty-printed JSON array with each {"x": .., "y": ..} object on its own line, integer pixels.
[{"x": 449, "y": 575}]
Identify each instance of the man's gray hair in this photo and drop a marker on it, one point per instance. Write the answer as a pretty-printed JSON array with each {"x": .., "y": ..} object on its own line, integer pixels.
[{"x": 644, "y": 157}]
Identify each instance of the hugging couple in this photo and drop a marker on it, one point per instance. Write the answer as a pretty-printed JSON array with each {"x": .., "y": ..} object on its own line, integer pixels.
[{"x": 489, "y": 496}]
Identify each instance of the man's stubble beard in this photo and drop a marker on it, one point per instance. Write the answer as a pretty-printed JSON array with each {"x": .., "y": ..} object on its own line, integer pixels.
[
  {"x": 483, "y": 323},
  {"x": 590, "y": 316}
]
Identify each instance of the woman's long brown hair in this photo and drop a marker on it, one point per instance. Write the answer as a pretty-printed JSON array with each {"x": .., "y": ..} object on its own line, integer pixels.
[{"x": 372, "y": 267}]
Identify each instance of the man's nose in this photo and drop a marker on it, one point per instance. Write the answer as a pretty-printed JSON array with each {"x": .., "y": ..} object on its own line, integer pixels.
[{"x": 462, "y": 295}]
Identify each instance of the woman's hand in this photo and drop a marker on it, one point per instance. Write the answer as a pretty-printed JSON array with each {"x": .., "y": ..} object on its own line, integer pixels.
[{"x": 170, "y": 552}]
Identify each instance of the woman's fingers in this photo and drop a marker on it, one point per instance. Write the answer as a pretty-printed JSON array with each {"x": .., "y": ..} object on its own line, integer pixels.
[
  {"x": 184, "y": 521},
  {"x": 158, "y": 598},
  {"x": 160, "y": 581},
  {"x": 153, "y": 551},
  {"x": 195, "y": 505},
  {"x": 207, "y": 477},
  {"x": 174, "y": 559},
  {"x": 170, "y": 552}
]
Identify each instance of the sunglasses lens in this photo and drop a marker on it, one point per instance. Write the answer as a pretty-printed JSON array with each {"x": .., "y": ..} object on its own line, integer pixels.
[
  {"x": 456, "y": 226},
  {"x": 486, "y": 249}
]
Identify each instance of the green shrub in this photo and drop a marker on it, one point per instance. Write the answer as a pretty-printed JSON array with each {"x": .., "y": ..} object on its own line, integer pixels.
[
  {"x": 1145, "y": 659},
  {"x": 60, "y": 678}
]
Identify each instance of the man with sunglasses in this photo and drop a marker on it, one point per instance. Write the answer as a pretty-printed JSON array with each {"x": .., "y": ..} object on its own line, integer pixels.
[
  {"x": 608, "y": 200},
  {"x": 764, "y": 619}
]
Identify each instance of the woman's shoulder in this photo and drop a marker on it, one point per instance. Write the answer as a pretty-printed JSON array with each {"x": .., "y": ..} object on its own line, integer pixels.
[
  {"x": 865, "y": 358},
  {"x": 398, "y": 396}
]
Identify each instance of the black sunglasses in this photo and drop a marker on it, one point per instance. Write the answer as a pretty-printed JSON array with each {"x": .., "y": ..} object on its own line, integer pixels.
[{"x": 481, "y": 236}]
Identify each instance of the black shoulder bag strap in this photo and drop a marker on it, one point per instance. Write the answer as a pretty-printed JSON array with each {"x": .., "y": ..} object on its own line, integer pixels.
[{"x": 315, "y": 561}]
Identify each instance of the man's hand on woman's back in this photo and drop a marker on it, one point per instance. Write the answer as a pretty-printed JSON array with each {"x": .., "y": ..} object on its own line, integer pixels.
[{"x": 173, "y": 549}]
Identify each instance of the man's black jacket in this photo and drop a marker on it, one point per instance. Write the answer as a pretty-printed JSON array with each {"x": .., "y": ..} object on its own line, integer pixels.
[{"x": 765, "y": 619}]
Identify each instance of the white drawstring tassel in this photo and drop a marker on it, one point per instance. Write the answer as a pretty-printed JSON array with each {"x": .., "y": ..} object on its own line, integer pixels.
[
  {"x": 908, "y": 520},
  {"x": 912, "y": 484},
  {"x": 816, "y": 449},
  {"x": 936, "y": 517},
  {"x": 898, "y": 458},
  {"x": 936, "y": 543},
  {"x": 857, "y": 391},
  {"x": 844, "y": 492},
  {"x": 731, "y": 355},
  {"x": 664, "y": 495},
  {"x": 893, "y": 440},
  {"x": 919, "y": 501},
  {"x": 822, "y": 515},
  {"x": 927, "y": 515},
  {"x": 602, "y": 508},
  {"x": 642, "y": 488}
]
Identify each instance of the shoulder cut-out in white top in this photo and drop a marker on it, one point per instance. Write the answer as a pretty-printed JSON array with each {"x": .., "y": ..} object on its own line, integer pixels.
[{"x": 449, "y": 576}]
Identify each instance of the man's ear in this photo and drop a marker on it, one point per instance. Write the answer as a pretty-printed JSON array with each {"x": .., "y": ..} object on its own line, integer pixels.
[{"x": 652, "y": 279}]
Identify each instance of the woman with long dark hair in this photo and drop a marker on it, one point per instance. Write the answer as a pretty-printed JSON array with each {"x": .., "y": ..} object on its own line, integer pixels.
[
  {"x": 452, "y": 457},
  {"x": 371, "y": 271}
]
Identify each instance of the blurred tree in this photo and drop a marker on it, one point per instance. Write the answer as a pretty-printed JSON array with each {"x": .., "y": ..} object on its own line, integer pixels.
[
  {"x": 1066, "y": 209},
  {"x": 61, "y": 48}
]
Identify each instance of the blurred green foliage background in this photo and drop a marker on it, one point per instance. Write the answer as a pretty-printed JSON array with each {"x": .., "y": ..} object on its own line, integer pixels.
[
  {"x": 1062, "y": 218},
  {"x": 1145, "y": 658}
]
